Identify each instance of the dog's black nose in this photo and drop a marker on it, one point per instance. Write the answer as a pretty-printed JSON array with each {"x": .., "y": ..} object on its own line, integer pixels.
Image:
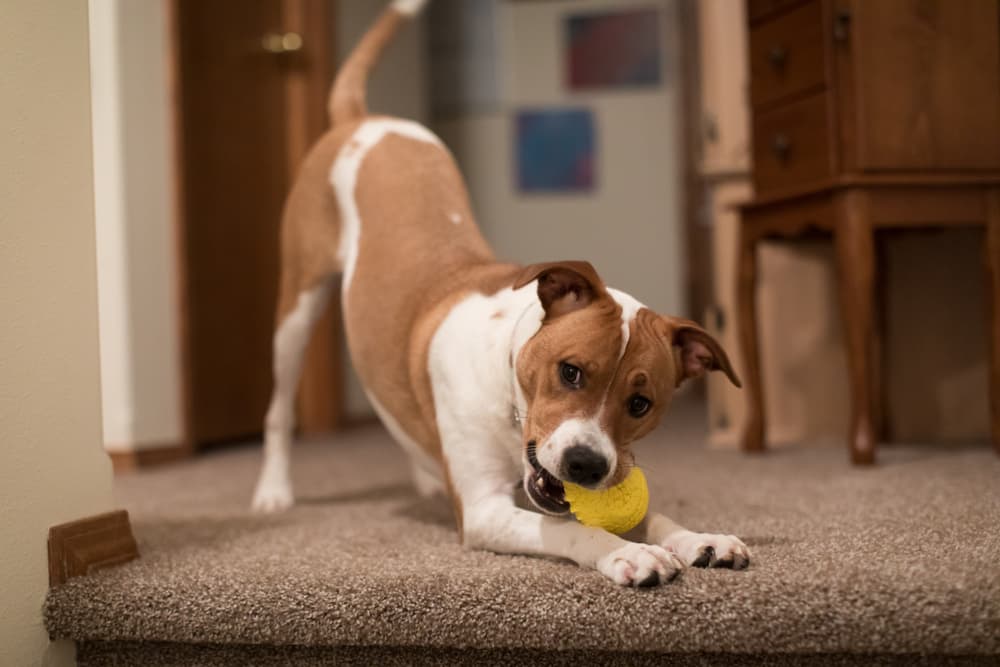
[{"x": 583, "y": 466}]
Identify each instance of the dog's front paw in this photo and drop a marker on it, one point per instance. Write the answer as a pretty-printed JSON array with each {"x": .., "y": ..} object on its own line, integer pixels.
[
  {"x": 640, "y": 565},
  {"x": 272, "y": 495},
  {"x": 707, "y": 550}
]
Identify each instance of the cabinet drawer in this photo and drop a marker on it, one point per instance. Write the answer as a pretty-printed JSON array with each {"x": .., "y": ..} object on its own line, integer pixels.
[
  {"x": 791, "y": 145},
  {"x": 758, "y": 9},
  {"x": 787, "y": 55}
]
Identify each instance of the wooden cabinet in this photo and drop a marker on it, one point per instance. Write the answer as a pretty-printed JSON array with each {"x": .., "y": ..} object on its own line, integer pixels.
[
  {"x": 792, "y": 145},
  {"x": 787, "y": 56},
  {"x": 880, "y": 87},
  {"x": 924, "y": 79},
  {"x": 870, "y": 114}
]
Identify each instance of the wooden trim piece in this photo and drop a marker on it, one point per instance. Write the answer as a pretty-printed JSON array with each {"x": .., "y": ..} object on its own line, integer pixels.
[
  {"x": 182, "y": 306},
  {"x": 132, "y": 460},
  {"x": 874, "y": 180},
  {"x": 352, "y": 422},
  {"x": 80, "y": 547},
  {"x": 992, "y": 243},
  {"x": 914, "y": 207},
  {"x": 698, "y": 278},
  {"x": 754, "y": 426}
]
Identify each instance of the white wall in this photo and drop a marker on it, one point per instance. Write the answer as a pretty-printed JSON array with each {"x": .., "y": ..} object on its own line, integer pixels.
[
  {"x": 52, "y": 469},
  {"x": 629, "y": 227},
  {"x": 140, "y": 360},
  {"x": 398, "y": 85}
]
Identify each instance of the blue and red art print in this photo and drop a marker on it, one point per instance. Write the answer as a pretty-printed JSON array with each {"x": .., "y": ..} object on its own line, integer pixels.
[
  {"x": 613, "y": 50},
  {"x": 555, "y": 150}
]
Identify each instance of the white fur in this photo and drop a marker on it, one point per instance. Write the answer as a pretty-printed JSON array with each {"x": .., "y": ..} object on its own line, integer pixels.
[
  {"x": 470, "y": 371},
  {"x": 631, "y": 564},
  {"x": 576, "y": 431},
  {"x": 690, "y": 545},
  {"x": 473, "y": 379},
  {"x": 344, "y": 178},
  {"x": 630, "y": 308},
  {"x": 409, "y": 7},
  {"x": 274, "y": 488}
]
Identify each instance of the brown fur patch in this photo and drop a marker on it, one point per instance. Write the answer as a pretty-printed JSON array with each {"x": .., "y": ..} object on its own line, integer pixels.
[
  {"x": 413, "y": 266},
  {"x": 591, "y": 340}
]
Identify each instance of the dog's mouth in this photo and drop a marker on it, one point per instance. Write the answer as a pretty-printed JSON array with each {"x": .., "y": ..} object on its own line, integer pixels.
[{"x": 543, "y": 488}]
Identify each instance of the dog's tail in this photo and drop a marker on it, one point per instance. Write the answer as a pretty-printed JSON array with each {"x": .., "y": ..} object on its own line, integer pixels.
[{"x": 347, "y": 99}]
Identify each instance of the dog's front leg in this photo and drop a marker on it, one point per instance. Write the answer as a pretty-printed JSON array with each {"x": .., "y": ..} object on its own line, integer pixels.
[
  {"x": 697, "y": 549},
  {"x": 494, "y": 523}
]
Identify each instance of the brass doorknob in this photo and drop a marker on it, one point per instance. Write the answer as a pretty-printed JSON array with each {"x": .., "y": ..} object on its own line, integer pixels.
[{"x": 277, "y": 42}]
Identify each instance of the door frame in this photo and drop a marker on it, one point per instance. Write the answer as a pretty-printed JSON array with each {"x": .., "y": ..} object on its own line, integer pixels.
[{"x": 320, "y": 402}]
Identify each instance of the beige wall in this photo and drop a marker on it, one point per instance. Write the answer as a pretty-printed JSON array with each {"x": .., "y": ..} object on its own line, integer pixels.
[
  {"x": 52, "y": 468},
  {"x": 629, "y": 227},
  {"x": 936, "y": 329},
  {"x": 935, "y": 352}
]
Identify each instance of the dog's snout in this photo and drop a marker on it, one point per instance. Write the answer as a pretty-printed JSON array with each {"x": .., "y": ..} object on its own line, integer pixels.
[{"x": 583, "y": 466}]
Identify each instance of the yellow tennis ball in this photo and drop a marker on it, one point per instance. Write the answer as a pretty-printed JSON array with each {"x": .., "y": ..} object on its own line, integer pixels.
[{"x": 617, "y": 510}]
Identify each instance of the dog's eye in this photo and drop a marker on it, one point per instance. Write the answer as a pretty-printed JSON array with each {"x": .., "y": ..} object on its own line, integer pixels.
[
  {"x": 638, "y": 405},
  {"x": 571, "y": 376}
]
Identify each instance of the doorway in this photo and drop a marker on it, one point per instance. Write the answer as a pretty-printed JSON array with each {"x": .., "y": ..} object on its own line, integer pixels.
[{"x": 250, "y": 89}]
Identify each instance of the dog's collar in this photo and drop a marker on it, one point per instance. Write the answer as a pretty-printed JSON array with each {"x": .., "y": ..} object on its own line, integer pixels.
[{"x": 516, "y": 418}]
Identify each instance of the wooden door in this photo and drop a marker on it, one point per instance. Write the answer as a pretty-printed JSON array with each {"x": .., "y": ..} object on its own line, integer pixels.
[
  {"x": 251, "y": 83},
  {"x": 925, "y": 73}
]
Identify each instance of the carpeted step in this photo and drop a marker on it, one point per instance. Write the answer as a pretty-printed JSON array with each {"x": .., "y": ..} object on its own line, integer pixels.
[
  {"x": 160, "y": 654},
  {"x": 892, "y": 561}
]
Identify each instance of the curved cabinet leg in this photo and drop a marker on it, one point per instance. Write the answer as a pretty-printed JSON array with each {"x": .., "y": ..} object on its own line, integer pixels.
[
  {"x": 993, "y": 294},
  {"x": 746, "y": 292},
  {"x": 855, "y": 250}
]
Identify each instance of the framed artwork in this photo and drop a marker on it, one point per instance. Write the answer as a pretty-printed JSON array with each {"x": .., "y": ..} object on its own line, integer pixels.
[
  {"x": 555, "y": 150},
  {"x": 613, "y": 49}
]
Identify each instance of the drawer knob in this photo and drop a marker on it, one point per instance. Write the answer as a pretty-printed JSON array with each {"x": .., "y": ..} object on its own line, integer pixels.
[
  {"x": 778, "y": 56},
  {"x": 842, "y": 25},
  {"x": 782, "y": 146}
]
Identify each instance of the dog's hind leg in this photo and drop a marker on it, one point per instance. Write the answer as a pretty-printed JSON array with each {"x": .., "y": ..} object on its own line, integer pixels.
[{"x": 298, "y": 312}]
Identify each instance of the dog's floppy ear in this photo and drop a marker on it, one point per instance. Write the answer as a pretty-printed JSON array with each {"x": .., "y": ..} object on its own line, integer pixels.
[
  {"x": 563, "y": 286},
  {"x": 697, "y": 352}
]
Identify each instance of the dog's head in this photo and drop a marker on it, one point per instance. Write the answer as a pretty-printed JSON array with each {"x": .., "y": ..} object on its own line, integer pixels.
[{"x": 597, "y": 376}]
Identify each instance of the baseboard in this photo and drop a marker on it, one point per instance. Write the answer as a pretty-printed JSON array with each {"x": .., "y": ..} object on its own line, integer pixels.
[
  {"x": 85, "y": 545},
  {"x": 130, "y": 460},
  {"x": 350, "y": 422}
]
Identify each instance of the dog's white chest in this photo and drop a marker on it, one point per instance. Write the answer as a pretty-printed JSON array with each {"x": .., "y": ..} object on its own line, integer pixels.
[{"x": 472, "y": 375}]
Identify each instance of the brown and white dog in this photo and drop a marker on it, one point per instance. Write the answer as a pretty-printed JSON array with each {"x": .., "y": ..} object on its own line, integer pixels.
[{"x": 490, "y": 375}]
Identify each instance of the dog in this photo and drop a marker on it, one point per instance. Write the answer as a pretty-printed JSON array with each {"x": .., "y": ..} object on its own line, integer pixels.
[{"x": 491, "y": 376}]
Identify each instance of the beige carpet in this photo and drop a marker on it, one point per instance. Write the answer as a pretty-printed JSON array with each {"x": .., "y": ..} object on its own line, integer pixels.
[{"x": 897, "y": 563}]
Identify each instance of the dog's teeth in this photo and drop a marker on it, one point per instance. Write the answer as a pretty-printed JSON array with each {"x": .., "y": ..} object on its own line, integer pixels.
[{"x": 540, "y": 482}]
